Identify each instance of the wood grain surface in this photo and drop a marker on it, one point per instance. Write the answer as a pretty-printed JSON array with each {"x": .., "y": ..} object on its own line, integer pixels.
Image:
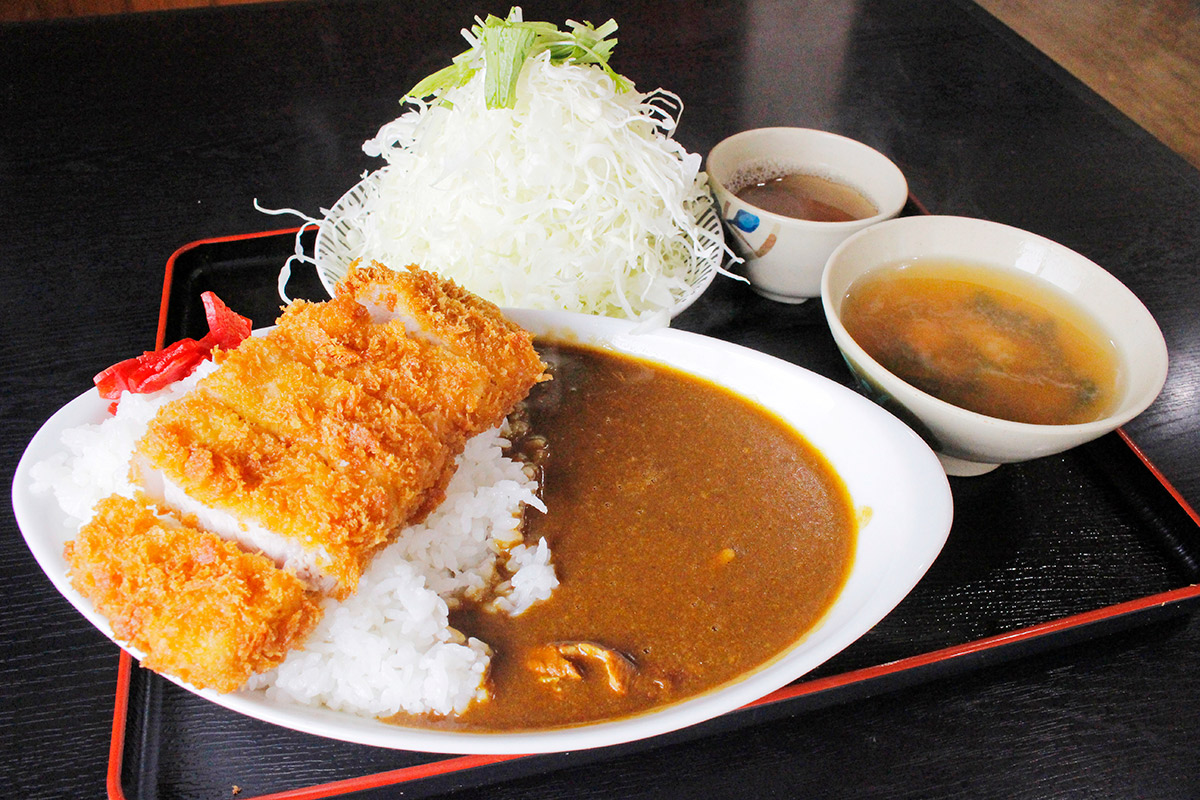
[{"x": 1144, "y": 58}]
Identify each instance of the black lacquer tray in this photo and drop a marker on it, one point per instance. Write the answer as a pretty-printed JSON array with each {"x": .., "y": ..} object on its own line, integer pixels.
[{"x": 1041, "y": 555}]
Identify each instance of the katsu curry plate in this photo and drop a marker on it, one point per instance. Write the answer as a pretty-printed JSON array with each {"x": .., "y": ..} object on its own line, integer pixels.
[
  {"x": 406, "y": 518},
  {"x": 482, "y": 499}
]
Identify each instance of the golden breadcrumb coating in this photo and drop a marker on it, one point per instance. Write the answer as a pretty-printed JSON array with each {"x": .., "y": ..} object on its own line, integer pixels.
[
  {"x": 198, "y": 606},
  {"x": 264, "y": 384},
  {"x": 465, "y": 324},
  {"x": 339, "y": 515},
  {"x": 339, "y": 338}
]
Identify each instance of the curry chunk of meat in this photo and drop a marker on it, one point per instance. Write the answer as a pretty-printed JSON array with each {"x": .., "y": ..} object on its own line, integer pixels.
[{"x": 568, "y": 661}]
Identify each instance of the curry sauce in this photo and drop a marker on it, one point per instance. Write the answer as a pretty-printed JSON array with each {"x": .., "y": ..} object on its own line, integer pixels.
[{"x": 695, "y": 535}]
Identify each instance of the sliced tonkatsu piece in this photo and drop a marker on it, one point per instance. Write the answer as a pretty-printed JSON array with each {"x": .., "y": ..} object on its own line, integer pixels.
[
  {"x": 338, "y": 338},
  {"x": 200, "y": 607},
  {"x": 266, "y": 385},
  {"x": 243, "y": 482},
  {"x": 442, "y": 312}
]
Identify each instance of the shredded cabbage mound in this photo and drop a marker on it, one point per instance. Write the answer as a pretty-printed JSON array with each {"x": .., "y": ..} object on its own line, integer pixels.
[{"x": 576, "y": 198}]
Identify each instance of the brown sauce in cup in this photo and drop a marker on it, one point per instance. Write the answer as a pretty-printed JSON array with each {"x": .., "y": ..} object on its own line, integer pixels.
[{"x": 808, "y": 197}]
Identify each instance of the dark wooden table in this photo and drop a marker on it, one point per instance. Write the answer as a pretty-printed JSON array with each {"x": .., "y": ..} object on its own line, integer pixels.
[{"x": 126, "y": 137}]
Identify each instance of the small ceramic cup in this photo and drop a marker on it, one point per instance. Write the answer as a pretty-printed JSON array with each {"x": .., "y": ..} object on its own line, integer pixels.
[
  {"x": 969, "y": 443},
  {"x": 783, "y": 255}
]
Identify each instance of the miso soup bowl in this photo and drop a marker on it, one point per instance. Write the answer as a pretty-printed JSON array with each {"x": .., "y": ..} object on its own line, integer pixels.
[
  {"x": 784, "y": 256},
  {"x": 969, "y": 443}
]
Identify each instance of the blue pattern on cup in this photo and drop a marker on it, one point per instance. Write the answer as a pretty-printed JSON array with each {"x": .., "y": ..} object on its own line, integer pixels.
[{"x": 745, "y": 221}]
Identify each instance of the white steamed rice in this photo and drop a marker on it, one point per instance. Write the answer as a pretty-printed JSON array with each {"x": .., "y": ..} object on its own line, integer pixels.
[{"x": 389, "y": 647}]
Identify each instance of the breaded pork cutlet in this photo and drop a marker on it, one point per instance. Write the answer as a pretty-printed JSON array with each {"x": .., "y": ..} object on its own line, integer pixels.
[
  {"x": 322, "y": 521},
  {"x": 200, "y": 607},
  {"x": 312, "y": 447},
  {"x": 339, "y": 338},
  {"x": 265, "y": 384},
  {"x": 442, "y": 312}
]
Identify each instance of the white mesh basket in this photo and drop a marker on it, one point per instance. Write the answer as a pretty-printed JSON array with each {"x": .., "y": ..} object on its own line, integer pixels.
[{"x": 338, "y": 244}]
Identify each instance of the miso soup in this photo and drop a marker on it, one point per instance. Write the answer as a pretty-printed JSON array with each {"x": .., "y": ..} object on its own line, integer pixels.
[{"x": 1003, "y": 344}]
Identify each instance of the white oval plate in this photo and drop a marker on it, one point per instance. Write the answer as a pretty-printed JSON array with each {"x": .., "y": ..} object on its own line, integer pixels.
[{"x": 887, "y": 469}]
